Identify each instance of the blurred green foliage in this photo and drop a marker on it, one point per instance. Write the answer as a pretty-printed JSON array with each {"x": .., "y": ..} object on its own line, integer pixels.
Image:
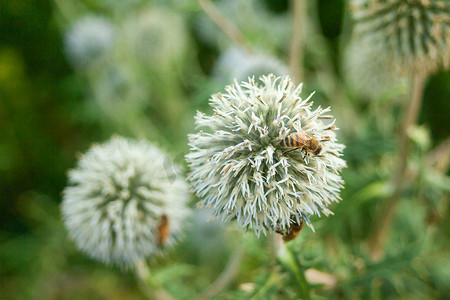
[{"x": 50, "y": 110}]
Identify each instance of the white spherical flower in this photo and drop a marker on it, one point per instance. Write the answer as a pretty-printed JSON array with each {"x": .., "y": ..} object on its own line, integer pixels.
[
  {"x": 237, "y": 63},
  {"x": 88, "y": 40},
  {"x": 124, "y": 201},
  {"x": 413, "y": 34},
  {"x": 240, "y": 168}
]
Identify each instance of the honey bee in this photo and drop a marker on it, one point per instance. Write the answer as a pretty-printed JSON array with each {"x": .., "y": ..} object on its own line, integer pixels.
[
  {"x": 293, "y": 230},
  {"x": 162, "y": 231},
  {"x": 303, "y": 141}
]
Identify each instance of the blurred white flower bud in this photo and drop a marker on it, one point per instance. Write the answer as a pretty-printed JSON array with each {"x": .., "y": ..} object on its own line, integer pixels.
[{"x": 88, "y": 40}]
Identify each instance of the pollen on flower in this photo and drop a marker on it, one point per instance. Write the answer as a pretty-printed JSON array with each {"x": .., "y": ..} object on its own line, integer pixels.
[
  {"x": 241, "y": 170},
  {"x": 119, "y": 196}
]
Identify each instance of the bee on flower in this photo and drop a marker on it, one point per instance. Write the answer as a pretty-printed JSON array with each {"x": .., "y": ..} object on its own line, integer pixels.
[{"x": 246, "y": 166}]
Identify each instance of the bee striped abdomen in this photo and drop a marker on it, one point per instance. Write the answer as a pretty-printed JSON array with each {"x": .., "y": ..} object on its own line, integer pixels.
[
  {"x": 295, "y": 142},
  {"x": 288, "y": 142},
  {"x": 303, "y": 141}
]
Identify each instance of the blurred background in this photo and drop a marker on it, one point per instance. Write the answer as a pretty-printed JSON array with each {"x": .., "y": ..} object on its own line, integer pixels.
[{"x": 73, "y": 73}]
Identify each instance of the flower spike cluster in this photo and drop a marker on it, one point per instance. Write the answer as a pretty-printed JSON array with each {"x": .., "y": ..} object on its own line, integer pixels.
[
  {"x": 117, "y": 197},
  {"x": 239, "y": 168}
]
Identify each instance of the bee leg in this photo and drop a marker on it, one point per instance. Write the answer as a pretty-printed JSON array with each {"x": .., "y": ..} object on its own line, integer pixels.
[
  {"x": 290, "y": 150},
  {"x": 302, "y": 151},
  {"x": 305, "y": 153}
]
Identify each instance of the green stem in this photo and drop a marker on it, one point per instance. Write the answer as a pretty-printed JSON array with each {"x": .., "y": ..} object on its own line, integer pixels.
[
  {"x": 290, "y": 262},
  {"x": 273, "y": 281},
  {"x": 226, "y": 276},
  {"x": 298, "y": 28},
  {"x": 275, "y": 244},
  {"x": 387, "y": 212},
  {"x": 142, "y": 276},
  {"x": 224, "y": 24}
]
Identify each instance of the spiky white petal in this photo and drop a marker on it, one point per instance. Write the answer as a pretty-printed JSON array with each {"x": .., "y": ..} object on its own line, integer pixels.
[
  {"x": 237, "y": 164},
  {"x": 116, "y": 196}
]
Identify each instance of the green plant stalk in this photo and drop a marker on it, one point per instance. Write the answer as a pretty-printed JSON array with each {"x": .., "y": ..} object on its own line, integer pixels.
[
  {"x": 331, "y": 84},
  {"x": 142, "y": 275},
  {"x": 290, "y": 262},
  {"x": 299, "y": 14},
  {"x": 387, "y": 212},
  {"x": 226, "y": 276},
  {"x": 224, "y": 24},
  {"x": 274, "y": 280}
]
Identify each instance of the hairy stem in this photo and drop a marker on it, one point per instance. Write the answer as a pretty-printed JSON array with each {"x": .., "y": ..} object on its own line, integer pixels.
[
  {"x": 387, "y": 212},
  {"x": 226, "y": 276},
  {"x": 296, "y": 49},
  {"x": 224, "y": 24}
]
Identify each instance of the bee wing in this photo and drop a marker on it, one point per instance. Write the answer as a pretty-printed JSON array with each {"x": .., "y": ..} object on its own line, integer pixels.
[{"x": 301, "y": 138}]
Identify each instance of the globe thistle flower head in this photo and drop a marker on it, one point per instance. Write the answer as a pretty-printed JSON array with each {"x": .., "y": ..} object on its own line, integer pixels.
[
  {"x": 237, "y": 63},
  {"x": 88, "y": 40},
  {"x": 239, "y": 168},
  {"x": 117, "y": 197},
  {"x": 413, "y": 34}
]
